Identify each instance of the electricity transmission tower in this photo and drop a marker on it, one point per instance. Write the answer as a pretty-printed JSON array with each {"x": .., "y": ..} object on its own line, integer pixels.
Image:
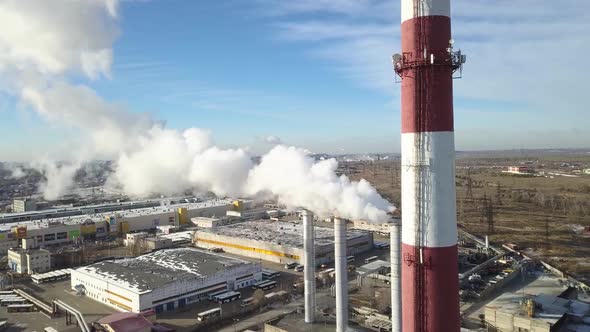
[
  {"x": 469, "y": 193},
  {"x": 487, "y": 211}
]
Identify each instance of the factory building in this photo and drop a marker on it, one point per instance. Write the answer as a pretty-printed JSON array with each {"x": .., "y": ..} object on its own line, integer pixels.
[
  {"x": 178, "y": 238},
  {"x": 169, "y": 215},
  {"x": 57, "y": 231},
  {"x": 125, "y": 321},
  {"x": 167, "y": 229},
  {"x": 205, "y": 222},
  {"x": 163, "y": 280},
  {"x": 132, "y": 238},
  {"x": 248, "y": 214},
  {"x": 520, "y": 170},
  {"x": 155, "y": 243},
  {"x": 378, "y": 227},
  {"x": 74, "y": 211},
  {"x": 279, "y": 242},
  {"x": 541, "y": 313},
  {"x": 29, "y": 261},
  {"x": 23, "y": 205}
]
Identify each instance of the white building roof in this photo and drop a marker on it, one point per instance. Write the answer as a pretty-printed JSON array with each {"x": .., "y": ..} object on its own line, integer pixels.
[
  {"x": 278, "y": 232},
  {"x": 148, "y": 272},
  {"x": 72, "y": 220}
]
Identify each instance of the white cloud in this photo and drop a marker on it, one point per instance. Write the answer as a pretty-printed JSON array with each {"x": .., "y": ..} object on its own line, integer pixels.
[
  {"x": 359, "y": 50},
  {"x": 109, "y": 127},
  {"x": 45, "y": 43},
  {"x": 271, "y": 139},
  {"x": 54, "y": 37},
  {"x": 350, "y": 8},
  {"x": 519, "y": 53}
]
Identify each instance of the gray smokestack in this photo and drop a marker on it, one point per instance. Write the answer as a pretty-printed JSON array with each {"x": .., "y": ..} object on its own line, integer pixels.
[
  {"x": 309, "y": 264},
  {"x": 341, "y": 275}
]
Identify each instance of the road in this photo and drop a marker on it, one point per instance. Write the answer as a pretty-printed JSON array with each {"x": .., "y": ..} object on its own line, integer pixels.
[{"x": 264, "y": 317}]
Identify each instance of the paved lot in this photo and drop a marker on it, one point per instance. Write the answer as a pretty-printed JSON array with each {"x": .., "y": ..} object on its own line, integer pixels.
[
  {"x": 34, "y": 322},
  {"x": 263, "y": 317},
  {"x": 91, "y": 310}
]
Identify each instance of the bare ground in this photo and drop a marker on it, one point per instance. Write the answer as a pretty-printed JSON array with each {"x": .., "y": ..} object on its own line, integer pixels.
[{"x": 545, "y": 214}]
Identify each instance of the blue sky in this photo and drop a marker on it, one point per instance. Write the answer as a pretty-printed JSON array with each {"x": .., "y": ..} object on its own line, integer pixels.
[{"x": 316, "y": 73}]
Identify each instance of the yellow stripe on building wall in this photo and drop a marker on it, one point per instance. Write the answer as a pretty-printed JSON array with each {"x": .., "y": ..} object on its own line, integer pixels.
[
  {"x": 117, "y": 295},
  {"x": 119, "y": 304},
  {"x": 258, "y": 250}
]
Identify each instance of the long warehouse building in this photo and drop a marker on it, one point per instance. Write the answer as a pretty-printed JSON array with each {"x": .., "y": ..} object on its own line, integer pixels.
[
  {"x": 163, "y": 280},
  {"x": 75, "y": 211},
  {"x": 277, "y": 241},
  {"x": 57, "y": 231}
]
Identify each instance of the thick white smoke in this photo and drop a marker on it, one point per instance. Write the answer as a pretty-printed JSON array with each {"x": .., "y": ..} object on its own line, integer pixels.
[
  {"x": 168, "y": 161},
  {"x": 60, "y": 178},
  {"x": 157, "y": 164},
  {"x": 296, "y": 179},
  {"x": 17, "y": 172},
  {"x": 223, "y": 172},
  {"x": 44, "y": 43}
]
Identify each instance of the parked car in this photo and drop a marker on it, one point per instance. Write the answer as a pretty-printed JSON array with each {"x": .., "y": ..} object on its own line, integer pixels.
[
  {"x": 299, "y": 268},
  {"x": 289, "y": 266}
]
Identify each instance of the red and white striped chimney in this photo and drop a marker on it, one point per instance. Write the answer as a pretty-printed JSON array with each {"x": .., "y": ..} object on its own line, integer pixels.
[{"x": 430, "y": 290}]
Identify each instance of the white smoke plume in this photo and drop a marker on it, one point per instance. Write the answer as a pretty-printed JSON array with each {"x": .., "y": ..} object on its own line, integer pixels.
[
  {"x": 168, "y": 161},
  {"x": 296, "y": 179},
  {"x": 165, "y": 163},
  {"x": 223, "y": 172},
  {"x": 60, "y": 178},
  {"x": 44, "y": 43},
  {"x": 17, "y": 172}
]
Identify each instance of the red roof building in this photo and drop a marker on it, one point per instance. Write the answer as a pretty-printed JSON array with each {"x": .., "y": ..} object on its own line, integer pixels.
[{"x": 126, "y": 322}]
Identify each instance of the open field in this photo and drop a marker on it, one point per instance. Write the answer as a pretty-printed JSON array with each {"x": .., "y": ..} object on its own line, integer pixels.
[{"x": 545, "y": 213}]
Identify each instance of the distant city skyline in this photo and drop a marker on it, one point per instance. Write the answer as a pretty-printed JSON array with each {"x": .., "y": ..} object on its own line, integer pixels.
[{"x": 314, "y": 74}]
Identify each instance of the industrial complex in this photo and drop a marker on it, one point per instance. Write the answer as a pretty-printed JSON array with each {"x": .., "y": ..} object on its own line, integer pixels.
[
  {"x": 56, "y": 231},
  {"x": 271, "y": 262},
  {"x": 217, "y": 264}
]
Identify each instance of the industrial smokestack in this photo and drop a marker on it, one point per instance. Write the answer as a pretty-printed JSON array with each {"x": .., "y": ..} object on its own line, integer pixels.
[
  {"x": 430, "y": 289},
  {"x": 309, "y": 266},
  {"x": 396, "y": 295},
  {"x": 341, "y": 274}
]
